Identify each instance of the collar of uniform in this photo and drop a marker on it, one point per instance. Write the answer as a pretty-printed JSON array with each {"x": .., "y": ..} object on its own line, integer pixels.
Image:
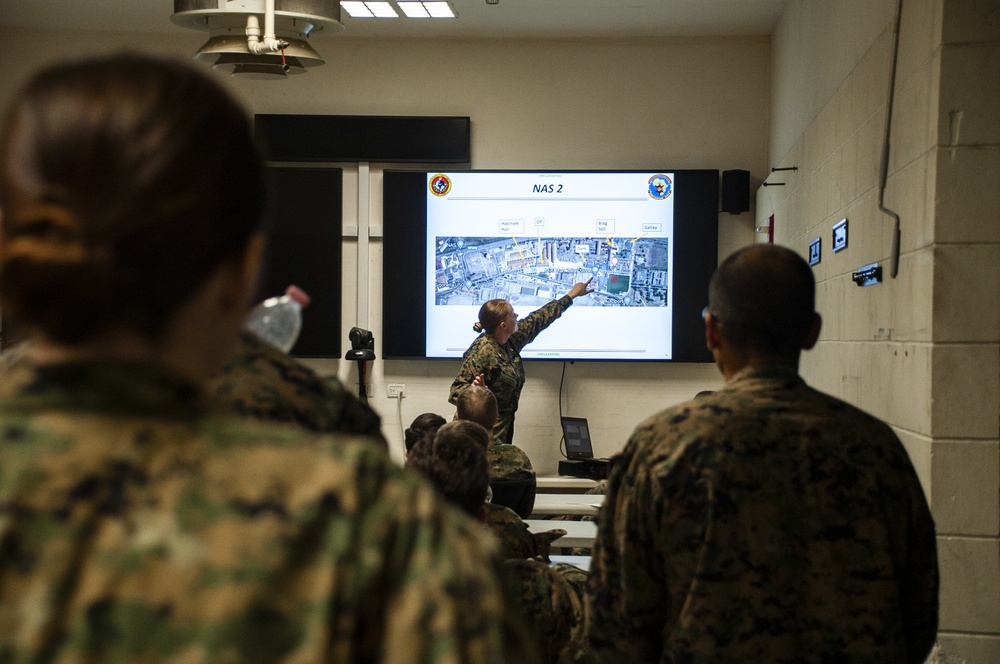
[
  {"x": 133, "y": 388},
  {"x": 767, "y": 372}
]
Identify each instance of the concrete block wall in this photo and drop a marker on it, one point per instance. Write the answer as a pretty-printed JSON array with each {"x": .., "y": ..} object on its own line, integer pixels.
[{"x": 921, "y": 351}]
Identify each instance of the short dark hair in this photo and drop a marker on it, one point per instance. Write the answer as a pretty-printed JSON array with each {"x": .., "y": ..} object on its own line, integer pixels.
[
  {"x": 478, "y": 404},
  {"x": 125, "y": 181},
  {"x": 454, "y": 461},
  {"x": 423, "y": 425},
  {"x": 764, "y": 297}
]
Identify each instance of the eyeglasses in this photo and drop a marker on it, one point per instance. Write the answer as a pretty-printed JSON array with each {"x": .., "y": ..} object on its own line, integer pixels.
[{"x": 706, "y": 311}]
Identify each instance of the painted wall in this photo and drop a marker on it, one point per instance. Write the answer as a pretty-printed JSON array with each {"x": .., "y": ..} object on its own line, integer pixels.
[
  {"x": 695, "y": 103},
  {"x": 921, "y": 351}
]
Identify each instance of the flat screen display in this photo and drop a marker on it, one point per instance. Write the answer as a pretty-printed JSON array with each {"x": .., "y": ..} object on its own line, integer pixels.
[{"x": 647, "y": 240}]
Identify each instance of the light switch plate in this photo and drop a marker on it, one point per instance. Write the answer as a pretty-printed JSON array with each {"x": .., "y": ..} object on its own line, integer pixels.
[
  {"x": 814, "y": 252},
  {"x": 840, "y": 235}
]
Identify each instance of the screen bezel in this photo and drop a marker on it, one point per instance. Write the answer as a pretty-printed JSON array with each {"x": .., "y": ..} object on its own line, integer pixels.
[{"x": 404, "y": 224}]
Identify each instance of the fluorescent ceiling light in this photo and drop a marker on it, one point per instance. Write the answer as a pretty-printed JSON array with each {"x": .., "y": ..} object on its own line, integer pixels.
[
  {"x": 369, "y": 9},
  {"x": 412, "y": 9},
  {"x": 356, "y": 9},
  {"x": 382, "y": 9},
  {"x": 439, "y": 9}
]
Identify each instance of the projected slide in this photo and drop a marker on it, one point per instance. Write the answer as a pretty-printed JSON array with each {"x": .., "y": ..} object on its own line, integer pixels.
[
  {"x": 528, "y": 237},
  {"x": 625, "y": 272}
]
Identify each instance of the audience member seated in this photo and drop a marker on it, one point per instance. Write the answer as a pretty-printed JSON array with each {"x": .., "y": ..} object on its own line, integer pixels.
[
  {"x": 512, "y": 480},
  {"x": 423, "y": 425},
  {"x": 551, "y": 596},
  {"x": 260, "y": 382},
  {"x": 264, "y": 383},
  {"x": 516, "y": 541},
  {"x": 141, "y": 522}
]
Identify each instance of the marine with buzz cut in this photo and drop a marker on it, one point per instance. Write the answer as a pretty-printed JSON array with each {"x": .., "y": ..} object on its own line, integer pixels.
[{"x": 767, "y": 522}]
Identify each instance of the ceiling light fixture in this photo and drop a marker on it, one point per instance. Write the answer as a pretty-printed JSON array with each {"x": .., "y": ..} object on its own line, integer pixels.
[
  {"x": 410, "y": 8},
  {"x": 236, "y": 45}
]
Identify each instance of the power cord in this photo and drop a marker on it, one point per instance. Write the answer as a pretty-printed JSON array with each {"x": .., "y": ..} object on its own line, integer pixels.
[{"x": 562, "y": 438}]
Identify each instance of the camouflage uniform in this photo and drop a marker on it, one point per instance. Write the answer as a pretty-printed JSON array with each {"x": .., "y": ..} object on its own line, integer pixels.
[
  {"x": 515, "y": 539},
  {"x": 552, "y": 599},
  {"x": 264, "y": 383},
  {"x": 260, "y": 382},
  {"x": 508, "y": 462},
  {"x": 139, "y": 525},
  {"x": 502, "y": 364},
  {"x": 765, "y": 523}
]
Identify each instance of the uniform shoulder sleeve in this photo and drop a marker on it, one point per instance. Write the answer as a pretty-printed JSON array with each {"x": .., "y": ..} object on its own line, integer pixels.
[
  {"x": 479, "y": 358},
  {"x": 628, "y": 594},
  {"x": 446, "y": 600},
  {"x": 532, "y": 325}
]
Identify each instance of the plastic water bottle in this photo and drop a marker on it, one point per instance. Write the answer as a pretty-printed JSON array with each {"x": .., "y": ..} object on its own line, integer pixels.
[{"x": 278, "y": 320}]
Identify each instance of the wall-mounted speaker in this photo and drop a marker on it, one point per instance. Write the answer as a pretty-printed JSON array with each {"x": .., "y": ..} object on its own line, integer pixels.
[{"x": 735, "y": 191}]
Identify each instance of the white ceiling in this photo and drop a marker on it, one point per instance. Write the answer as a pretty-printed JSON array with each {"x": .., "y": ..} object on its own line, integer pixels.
[{"x": 510, "y": 19}]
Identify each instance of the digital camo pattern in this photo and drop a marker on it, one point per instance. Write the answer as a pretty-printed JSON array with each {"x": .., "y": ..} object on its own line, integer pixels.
[
  {"x": 515, "y": 539},
  {"x": 138, "y": 526},
  {"x": 264, "y": 383},
  {"x": 258, "y": 381},
  {"x": 508, "y": 462},
  {"x": 765, "y": 523},
  {"x": 551, "y": 597},
  {"x": 502, "y": 365}
]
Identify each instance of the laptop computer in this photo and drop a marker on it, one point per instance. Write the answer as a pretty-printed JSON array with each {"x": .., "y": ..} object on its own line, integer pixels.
[{"x": 577, "y": 434}]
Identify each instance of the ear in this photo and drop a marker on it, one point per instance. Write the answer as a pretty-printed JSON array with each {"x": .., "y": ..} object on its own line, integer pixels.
[
  {"x": 814, "y": 327},
  {"x": 713, "y": 332}
]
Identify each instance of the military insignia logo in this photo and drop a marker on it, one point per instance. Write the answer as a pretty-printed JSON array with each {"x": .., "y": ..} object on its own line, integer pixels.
[
  {"x": 440, "y": 185},
  {"x": 660, "y": 187}
]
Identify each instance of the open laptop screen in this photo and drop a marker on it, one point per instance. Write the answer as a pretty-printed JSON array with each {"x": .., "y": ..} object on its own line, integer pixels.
[{"x": 577, "y": 435}]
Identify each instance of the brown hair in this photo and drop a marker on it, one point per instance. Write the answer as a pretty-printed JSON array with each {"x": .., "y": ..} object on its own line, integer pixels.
[
  {"x": 478, "y": 404},
  {"x": 454, "y": 461},
  {"x": 125, "y": 181},
  {"x": 491, "y": 314},
  {"x": 423, "y": 425}
]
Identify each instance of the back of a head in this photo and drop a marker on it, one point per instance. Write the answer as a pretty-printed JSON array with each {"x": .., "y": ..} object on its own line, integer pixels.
[
  {"x": 125, "y": 181},
  {"x": 423, "y": 425},
  {"x": 491, "y": 314},
  {"x": 478, "y": 404},
  {"x": 764, "y": 298},
  {"x": 454, "y": 461}
]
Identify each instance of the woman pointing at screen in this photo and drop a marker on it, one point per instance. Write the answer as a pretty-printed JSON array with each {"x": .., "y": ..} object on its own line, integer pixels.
[{"x": 494, "y": 361}]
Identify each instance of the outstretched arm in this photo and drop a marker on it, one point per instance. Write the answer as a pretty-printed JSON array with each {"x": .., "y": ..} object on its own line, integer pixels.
[
  {"x": 581, "y": 288},
  {"x": 533, "y": 324}
]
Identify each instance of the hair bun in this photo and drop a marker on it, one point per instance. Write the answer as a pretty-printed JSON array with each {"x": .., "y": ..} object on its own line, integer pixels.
[
  {"x": 477, "y": 326},
  {"x": 51, "y": 276},
  {"x": 45, "y": 233}
]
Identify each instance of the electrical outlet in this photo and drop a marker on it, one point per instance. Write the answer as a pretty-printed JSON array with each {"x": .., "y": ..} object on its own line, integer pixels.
[
  {"x": 396, "y": 391},
  {"x": 369, "y": 392}
]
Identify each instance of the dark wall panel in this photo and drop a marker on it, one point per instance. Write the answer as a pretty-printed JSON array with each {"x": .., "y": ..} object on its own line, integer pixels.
[
  {"x": 378, "y": 138},
  {"x": 304, "y": 248}
]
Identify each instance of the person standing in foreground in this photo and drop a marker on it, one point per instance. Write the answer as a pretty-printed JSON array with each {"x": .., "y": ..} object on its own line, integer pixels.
[
  {"x": 767, "y": 522},
  {"x": 138, "y": 520},
  {"x": 494, "y": 360}
]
